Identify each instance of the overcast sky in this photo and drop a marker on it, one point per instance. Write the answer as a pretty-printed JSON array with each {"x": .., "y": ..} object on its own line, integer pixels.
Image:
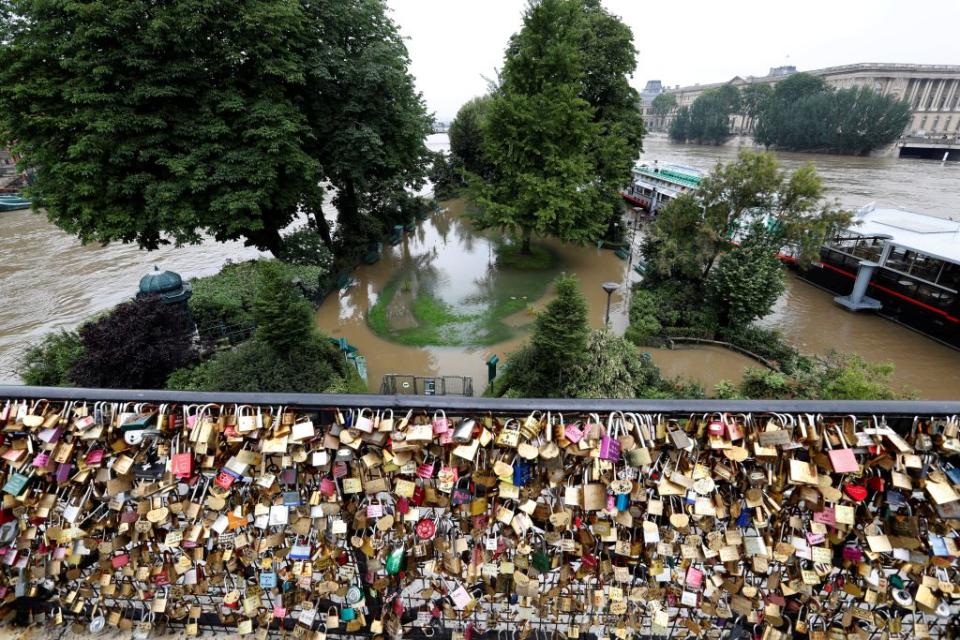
[{"x": 455, "y": 43}]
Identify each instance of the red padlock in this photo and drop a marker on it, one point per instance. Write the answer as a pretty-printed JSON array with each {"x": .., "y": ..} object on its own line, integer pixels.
[
  {"x": 876, "y": 482},
  {"x": 419, "y": 493},
  {"x": 426, "y": 528}
]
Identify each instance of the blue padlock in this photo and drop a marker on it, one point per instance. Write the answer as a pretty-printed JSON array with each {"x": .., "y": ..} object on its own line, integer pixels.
[
  {"x": 745, "y": 517},
  {"x": 623, "y": 502}
]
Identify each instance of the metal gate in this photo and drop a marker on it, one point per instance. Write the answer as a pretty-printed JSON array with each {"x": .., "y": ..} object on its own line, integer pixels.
[{"x": 397, "y": 384}]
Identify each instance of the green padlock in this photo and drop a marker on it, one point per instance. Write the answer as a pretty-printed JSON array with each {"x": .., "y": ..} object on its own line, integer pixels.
[
  {"x": 395, "y": 561},
  {"x": 540, "y": 561}
]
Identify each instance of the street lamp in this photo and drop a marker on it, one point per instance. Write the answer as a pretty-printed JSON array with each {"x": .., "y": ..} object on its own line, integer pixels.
[{"x": 609, "y": 287}]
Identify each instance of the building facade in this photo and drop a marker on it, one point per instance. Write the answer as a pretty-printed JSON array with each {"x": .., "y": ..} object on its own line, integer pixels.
[{"x": 932, "y": 90}]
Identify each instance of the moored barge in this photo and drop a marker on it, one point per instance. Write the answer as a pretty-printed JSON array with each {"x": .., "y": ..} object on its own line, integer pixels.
[
  {"x": 657, "y": 183},
  {"x": 901, "y": 264}
]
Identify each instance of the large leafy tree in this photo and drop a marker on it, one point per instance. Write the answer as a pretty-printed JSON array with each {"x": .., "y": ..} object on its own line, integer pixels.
[
  {"x": 542, "y": 135},
  {"x": 692, "y": 231},
  {"x": 371, "y": 121},
  {"x": 609, "y": 59},
  {"x": 154, "y": 122},
  {"x": 804, "y": 113},
  {"x": 708, "y": 119},
  {"x": 151, "y": 121},
  {"x": 466, "y": 136},
  {"x": 664, "y": 104}
]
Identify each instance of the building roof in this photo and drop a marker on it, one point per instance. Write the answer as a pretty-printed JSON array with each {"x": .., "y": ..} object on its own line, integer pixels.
[
  {"x": 935, "y": 237},
  {"x": 862, "y": 67}
]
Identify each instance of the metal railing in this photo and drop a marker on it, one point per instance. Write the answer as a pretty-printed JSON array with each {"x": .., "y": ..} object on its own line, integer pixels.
[
  {"x": 899, "y": 415},
  {"x": 888, "y": 408}
]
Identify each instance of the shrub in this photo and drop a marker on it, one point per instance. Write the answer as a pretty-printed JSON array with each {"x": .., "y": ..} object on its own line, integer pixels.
[
  {"x": 47, "y": 364},
  {"x": 305, "y": 247},
  {"x": 766, "y": 343},
  {"x": 612, "y": 368},
  {"x": 226, "y": 299},
  {"x": 644, "y": 322},
  {"x": 310, "y": 367},
  {"x": 136, "y": 346},
  {"x": 284, "y": 319}
]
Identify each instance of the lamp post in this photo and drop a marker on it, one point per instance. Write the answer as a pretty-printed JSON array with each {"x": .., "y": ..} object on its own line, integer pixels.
[{"x": 609, "y": 287}]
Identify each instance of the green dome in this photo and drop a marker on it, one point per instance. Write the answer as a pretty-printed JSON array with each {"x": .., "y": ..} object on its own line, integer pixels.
[{"x": 160, "y": 282}]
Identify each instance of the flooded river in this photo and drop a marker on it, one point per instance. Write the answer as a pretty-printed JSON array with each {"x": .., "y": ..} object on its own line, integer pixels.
[{"x": 48, "y": 281}]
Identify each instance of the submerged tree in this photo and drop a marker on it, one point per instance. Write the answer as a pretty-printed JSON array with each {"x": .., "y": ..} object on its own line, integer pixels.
[
  {"x": 663, "y": 104},
  {"x": 803, "y": 112},
  {"x": 750, "y": 195},
  {"x": 542, "y": 134}
]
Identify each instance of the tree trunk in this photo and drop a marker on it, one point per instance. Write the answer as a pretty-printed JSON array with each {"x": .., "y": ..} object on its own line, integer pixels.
[
  {"x": 348, "y": 205},
  {"x": 323, "y": 228},
  {"x": 525, "y": 246},
  {"x": 266, "y": 240}
]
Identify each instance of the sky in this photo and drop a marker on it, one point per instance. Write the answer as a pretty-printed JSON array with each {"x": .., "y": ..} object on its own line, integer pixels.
[{"x": 455, "y": 44}]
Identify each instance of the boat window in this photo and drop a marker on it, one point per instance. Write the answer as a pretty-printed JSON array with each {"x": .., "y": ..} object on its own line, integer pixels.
[{"x": 949, "y": 276}]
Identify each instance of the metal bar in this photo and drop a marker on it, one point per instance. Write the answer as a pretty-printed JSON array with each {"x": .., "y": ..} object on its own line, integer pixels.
[{"x": 501, "y": 405}]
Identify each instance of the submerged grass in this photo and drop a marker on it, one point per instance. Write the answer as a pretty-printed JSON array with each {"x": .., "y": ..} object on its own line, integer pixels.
[
  {"x": 476, "y": 320},
  {"x": 540, "y": 258},
  {"x": 438, "y": 324}
]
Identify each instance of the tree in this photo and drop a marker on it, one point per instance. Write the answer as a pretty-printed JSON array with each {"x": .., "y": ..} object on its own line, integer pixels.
[
  {"x": 542, "y": 134},
  {"x": 466, "y": 136},
  {"x": 609, "y": 60},
  {"x": 372, "y": 123},
  {"x": 680, "y": 125},
  {"x": 144, "y": 123},
  {"x": 691, "y": 232},
  {"x": 136, "y": 346},
  {"x": 284, "y": 319},
  {"x": 446, "y": 175},
  {"x": 708, "y": 119},
  {"x": 156, "y": 123},
  {"x": 804, "y": 113},
  {"x": 541, "y": 368},
  {"x": 48, "y": 363},
  {"x": 663, "y": 104},
  {"x": 755, "y": 98},
  {"x": 747, "y": 280},
  {"x": 613, "y": 368}
]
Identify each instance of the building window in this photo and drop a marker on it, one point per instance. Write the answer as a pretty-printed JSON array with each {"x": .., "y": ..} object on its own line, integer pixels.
[
  {"x": 946, "y": 125},
  {"x": 923, "y": 123},
  {"x": 936, "y": 121}
]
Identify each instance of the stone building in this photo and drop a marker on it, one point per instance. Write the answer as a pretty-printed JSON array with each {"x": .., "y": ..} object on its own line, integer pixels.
[{"x": 933, "y": 91}]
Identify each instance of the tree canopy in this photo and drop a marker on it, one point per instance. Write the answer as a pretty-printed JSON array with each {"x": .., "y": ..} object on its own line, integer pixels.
[
  {"x": 707, "y": 121},
  {"x": 664, "y": 104},
  {"x": 563, "y": 128},
  {"x": 802, "y": 112},
  {"x": 162, "y": 122},
  {"x": 466, "y": 135},
  {"x": 693, "y": 230}
]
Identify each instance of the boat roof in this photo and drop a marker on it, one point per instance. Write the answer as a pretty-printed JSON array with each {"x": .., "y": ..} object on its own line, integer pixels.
[
  {"x": 935, "y": 237},
  {"x": 671, "y": 172}
]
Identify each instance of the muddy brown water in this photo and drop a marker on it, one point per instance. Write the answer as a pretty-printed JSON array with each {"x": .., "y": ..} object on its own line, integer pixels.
[{"x": 48, "y": 281}]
